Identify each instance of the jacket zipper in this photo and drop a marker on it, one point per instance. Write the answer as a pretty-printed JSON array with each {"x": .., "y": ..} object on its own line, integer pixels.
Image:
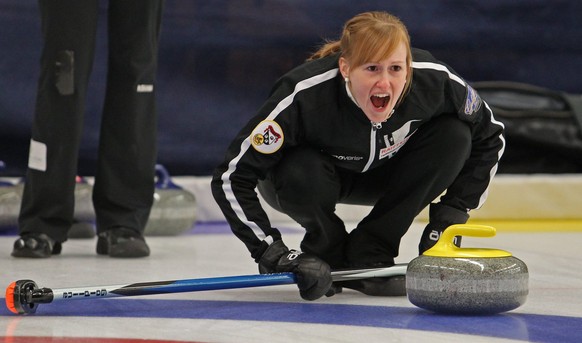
[{"x": 375, "y": 127}]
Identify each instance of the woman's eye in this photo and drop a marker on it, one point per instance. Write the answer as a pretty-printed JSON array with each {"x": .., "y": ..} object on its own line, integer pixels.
[
  {"x": 396, "y": 68},
  {"x": 372, "y": 68}
]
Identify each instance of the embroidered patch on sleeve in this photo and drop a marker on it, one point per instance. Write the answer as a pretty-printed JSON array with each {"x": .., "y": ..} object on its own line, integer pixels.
[
  {"x": 472, "y": 101},
  {"x": 267, "y": 137}
]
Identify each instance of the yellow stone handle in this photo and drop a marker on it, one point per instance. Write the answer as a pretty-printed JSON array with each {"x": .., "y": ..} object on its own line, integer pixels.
[{"x": 445, "y": 246}]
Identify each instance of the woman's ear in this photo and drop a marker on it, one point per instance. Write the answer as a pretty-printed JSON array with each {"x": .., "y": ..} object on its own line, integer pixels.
[{"x": 344, "y": 67}]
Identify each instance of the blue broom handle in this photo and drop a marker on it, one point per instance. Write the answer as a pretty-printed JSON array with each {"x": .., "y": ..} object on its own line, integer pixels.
[{"x": 213, "y": 283}]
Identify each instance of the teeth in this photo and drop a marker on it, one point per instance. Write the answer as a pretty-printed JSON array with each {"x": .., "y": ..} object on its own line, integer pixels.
[{"x": 380, "y": 95}]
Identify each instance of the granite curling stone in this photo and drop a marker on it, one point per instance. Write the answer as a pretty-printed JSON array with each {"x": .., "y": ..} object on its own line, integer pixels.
[
  {"x": 174, "y": 209},
  {"x": 468, "y": 281}
]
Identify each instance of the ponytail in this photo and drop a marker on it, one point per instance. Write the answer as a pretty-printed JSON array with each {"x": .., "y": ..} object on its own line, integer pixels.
[{"x": 329, "y": 48}]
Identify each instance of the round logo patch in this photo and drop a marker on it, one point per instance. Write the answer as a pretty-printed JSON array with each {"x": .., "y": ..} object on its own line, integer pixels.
[{"x": 267, "y": 137}]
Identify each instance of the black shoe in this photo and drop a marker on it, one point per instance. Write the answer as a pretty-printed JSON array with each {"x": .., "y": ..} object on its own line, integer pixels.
[
  {"x": 122, "y": 242},
  {"x": 382, "y": 286},
  {"x": 334, "y": 289},
  {"x": 36, "y": 245},
  {"x": 379, "y": 286}
]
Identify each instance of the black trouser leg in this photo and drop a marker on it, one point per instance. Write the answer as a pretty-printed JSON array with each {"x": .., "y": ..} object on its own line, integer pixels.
[
  {"x": 306, "y": 187},
  {"x": 124, "y": 182},
  {"x": 423, "y": 169},
  {"x": 68, "y": 29}
]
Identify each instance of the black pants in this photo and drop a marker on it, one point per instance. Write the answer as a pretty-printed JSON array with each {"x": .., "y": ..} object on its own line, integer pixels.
[
  {"x": 124, "y": 179},
  {"x": 307, "y": 186}
]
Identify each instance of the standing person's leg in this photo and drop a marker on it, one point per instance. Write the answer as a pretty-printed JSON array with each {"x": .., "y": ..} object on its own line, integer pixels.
[
  {"x": 306, "y": 187},
  {"x": 46, "y": 215},
  {"x": 124, "y": 183}
]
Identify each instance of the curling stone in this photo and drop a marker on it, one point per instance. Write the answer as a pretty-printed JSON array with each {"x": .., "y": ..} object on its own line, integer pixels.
[
  {"x": 84, "y": 211},
  {"x": 10, "y": 198},
  {"x": 471, "y": 281},
  {"x": 84, "y": 215},
  {"x": 174, "y": 209}
]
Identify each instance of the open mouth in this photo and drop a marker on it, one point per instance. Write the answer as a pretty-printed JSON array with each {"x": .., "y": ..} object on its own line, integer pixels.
[{"x": 380, "y": 100}]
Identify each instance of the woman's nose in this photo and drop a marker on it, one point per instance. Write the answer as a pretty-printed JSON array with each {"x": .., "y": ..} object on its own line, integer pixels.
[{"x": 383, "y": 80}]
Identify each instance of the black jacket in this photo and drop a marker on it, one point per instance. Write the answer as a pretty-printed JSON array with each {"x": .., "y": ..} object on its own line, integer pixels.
[{"x": 310, "y": 106}]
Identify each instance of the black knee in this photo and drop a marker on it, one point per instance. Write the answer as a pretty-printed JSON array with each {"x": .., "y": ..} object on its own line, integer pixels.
[
  {"x": 453, "y": 136},
  {"x": 304, "y": 177},
  {"x": 444, "y": 142}
]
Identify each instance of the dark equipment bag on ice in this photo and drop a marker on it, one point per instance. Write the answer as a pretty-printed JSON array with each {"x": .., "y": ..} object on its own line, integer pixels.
[{"x": 543, "y": 128}]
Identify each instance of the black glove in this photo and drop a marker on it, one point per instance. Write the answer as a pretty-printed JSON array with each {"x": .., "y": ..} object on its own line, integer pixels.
[
  {"x": 313, "y": 274},
  {"x": 440, "y": 218}
]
